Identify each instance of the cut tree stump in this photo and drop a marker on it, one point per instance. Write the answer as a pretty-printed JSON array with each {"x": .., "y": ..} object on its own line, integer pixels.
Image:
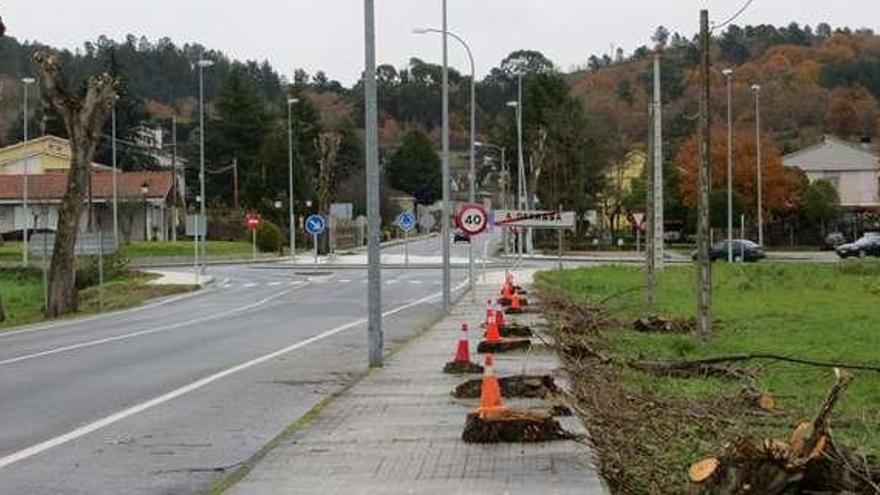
[
  {"x": 505, "y": 345},
  {"x": 516, "y": 331},
  {"x": 462, "y": 368},
  {"x": 533, "y": 386},
  {"x": 513, "y": 426}
]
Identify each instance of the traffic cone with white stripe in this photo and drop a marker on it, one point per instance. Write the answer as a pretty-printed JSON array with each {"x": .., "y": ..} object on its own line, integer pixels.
[
  {"x": 462, "y": 362},
  {"x": 490, "y": 391}
]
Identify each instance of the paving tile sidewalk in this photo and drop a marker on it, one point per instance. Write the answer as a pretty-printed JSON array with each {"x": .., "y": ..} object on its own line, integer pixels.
[{"x": 399, "y": 431}]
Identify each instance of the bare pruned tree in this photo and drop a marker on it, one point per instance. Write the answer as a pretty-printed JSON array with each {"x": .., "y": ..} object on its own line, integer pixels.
[{"x": 83, "y": 116}]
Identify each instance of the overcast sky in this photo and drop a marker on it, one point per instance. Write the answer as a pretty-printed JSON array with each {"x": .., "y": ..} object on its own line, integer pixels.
[{"x": 328, "y": 34}]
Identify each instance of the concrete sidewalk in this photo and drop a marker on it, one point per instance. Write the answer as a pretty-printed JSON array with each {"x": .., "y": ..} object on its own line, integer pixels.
[{"x": 399, "y": 431}]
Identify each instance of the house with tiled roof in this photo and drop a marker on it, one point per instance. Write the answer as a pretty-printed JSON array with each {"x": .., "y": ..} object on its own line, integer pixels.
[{"x": 143, "y": 198}]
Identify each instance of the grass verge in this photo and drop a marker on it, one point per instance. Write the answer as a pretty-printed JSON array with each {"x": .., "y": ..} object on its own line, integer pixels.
[
  {"x": 22, "y": 293},
  {"x": 184, "y": 249},
  {"x": 649, "y": 428}
]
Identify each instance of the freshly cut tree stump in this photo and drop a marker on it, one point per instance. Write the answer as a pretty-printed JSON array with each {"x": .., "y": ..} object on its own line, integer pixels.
[
  {"x": 503, "y": 346},
  {"x": 516, "y": 331},
  {"x": 513, "y": 426},
  {"x": 533, "y": 386},
  {"x": 462, "y": 368}
]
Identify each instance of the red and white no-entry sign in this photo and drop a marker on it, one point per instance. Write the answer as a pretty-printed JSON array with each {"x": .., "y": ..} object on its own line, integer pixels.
[
  {"x": 471, "y": 219},
  {"x": 252, "y": 220}
]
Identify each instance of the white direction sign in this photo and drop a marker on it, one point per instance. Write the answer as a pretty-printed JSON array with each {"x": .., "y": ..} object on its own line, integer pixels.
[{"x": 535, "y": 219}]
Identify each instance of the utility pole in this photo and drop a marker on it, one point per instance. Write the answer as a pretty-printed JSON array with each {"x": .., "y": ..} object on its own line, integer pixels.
[
  {"x": 203, "y": 63},
  {"x": 374, "y": 273},
  {"x": 235, "y": 183},
  {"x": 650, "y": 194},
  {"x": 115, "y": 178},
  {"x": 447, "y": 212},
  {"x": 27, "y": 81},
  {"x": 657, "y": 167},
  {"x": 757, "y": 89},
  {"x": 704, "y": 266},
  {"x": 728, "y": 73},
  {"x": 176, "y": 177},
  {"x": 291, "y": 215}
]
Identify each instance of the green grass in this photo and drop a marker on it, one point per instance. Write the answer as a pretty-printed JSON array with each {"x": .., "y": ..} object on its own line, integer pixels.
[
  {"x": 23, "y": 296},
  {"x": 813, "y": 311},
  {"x": 10, "y": 251},
  {"x": 184, "y": 249}
]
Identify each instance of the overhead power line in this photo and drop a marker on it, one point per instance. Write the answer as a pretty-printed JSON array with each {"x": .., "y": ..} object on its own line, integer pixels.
[{"x": 734, "y": 16}]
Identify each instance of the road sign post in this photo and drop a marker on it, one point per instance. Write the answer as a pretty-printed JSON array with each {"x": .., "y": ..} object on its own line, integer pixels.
[
  {"x": 253, "y": 221},
  {"x": 472, "y": 219},
  {"x": 406, "y": 221},
  {"x": 637, "y": 220},
  {"x": 315, "y": 225}
]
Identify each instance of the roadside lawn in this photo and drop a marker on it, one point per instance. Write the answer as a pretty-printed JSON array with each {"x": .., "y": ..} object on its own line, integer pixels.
[
  {"x": 10, "y": 251},
  {"x": 184, "y": 249},
  {"x": 649, "y": 426},
  {"x": 23, "y": 295}
]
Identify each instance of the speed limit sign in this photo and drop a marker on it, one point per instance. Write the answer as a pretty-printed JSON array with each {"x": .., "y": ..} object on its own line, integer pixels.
[{"x": 472, "y": 219}]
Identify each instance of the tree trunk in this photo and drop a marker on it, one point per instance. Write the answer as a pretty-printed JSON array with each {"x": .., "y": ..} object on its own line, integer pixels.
[{"x": 83, "y": 117}]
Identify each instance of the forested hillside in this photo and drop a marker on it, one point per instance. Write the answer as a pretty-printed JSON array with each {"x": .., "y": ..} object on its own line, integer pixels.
[{"x": 578, "y": 125}]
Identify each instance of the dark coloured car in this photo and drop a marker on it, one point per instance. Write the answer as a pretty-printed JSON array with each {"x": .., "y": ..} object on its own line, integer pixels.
[
  {"x": 833, "y": 240},
  {"x": 743, "y": 250},
  {"x": 866, "y": 246},
  {"x": 461, "y": 237}
]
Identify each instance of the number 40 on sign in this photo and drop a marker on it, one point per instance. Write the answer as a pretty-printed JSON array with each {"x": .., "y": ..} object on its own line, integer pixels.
[{"x": 471, "y": 219}]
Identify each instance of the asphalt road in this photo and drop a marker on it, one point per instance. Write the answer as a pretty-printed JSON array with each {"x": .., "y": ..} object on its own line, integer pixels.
[{"x": 165, "y": 397}]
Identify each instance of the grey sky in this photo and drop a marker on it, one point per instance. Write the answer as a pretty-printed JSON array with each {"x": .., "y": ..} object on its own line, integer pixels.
[{"x": 328, "y": 34}]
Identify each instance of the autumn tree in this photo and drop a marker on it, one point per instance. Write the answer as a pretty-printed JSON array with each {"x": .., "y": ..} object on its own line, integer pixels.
[
  {"x": 83, "y": 114},
  {"x": 842, "y": 118},
  {"x": 779, "y": 184}
]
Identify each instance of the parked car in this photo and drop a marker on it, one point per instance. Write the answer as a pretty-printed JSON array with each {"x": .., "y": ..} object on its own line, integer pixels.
[
  {"x": 461, "y": 237},
  {"x": 833, "y": 240},
  {"x": 867, "y": 245},
  {"x": 743, "y": 250}
]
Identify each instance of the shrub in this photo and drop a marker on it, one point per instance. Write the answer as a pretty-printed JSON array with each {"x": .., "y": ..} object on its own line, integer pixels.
[
  {"x": 269, "y": 237},
  {"x": 115, "y": 266}
]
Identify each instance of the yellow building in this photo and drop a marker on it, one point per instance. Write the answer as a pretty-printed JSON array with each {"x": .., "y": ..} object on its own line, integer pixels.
[
  {"x": 42, "y": 155},
  {"x": 619, "y": 179}
]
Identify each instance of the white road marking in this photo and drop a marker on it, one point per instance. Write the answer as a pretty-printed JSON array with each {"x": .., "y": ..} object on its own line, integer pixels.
[
  {"x": 104, "y": 315},
  {"x": 126, "y": 336},
  {"x": 143, "y": 406},
  {"x": 274, "y": 284},
  {"x": 415, "y": 282},
  {"x": 392, "y": 282},
  {"x": 345, "y": 280},
  {"x": 249, "y": 285}
]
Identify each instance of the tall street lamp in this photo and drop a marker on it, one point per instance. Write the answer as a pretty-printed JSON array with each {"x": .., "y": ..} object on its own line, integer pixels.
[
  {"x": 26, "y": 81},
  {"x": 115, "y": 171},
  {"x": 505, "y": 177},
  {"x": 757, "y": 90},
  {"x": 290, "y": 103},
  {"x": 728, "y": 73},
  {"x": 472, "y": 174},
  {"x": 203, "y": 64},
  {"x": 447, "y": 211},
  {"x": 520, "y": 187}
]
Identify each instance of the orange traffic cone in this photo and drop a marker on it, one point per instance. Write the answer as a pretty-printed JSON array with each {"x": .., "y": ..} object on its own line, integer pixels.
[
  {"x": 490, "y": 313},
  {"x": 515, "y": 305},
  {"x": 490, "y": 391},
  {"x": 499, "y": 320},
  {"x": 463, "y": 353},
  {"x": 493, "y": 334}
]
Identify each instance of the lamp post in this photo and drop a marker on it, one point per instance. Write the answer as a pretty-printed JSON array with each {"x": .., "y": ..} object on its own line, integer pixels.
[
  {"x": 472, "y": 173},
  {"x": 115, "y": 171},
  {"x": 505, "y": 174},
  {"x": 446, "y": 210},
  {"x": 290, "y": 103},
  {"x": 26, "y": 81},
  {"x": 728, "y": 73},
  {"x": 757, "y": 90},
  {"x": 145, "y": 189},
  {"x": 203, "y": 64},
  {"x": 520, "y": 186}
]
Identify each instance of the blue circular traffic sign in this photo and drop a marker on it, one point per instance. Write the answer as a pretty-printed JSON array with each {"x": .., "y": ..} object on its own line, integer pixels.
[
  {"x": 315, "y": 224},
  {"x": 406, "y": 221}
]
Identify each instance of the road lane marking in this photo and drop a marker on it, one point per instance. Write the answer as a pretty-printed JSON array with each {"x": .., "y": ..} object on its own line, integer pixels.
[
  {"x": 136, "y": 309},
  {"x": 156, "y": 401},
  {"x": 249, "y": 285},
  {"x": 140, "y": 333},
  {"x": 345, "y": 280},
  {"x": 274, "y": 284},
  {"x": 415, "y": 282}
]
